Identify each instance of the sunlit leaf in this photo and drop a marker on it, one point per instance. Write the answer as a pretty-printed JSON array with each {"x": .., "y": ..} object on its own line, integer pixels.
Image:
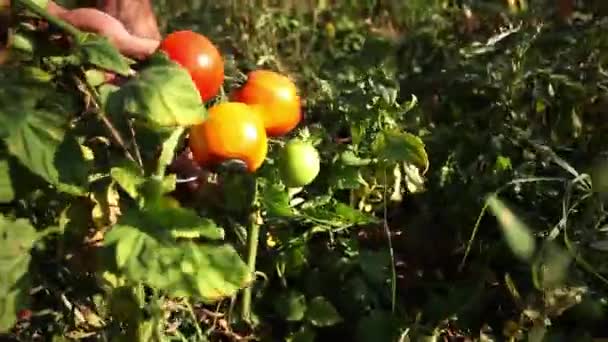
[
  {"x": 401, "y": 147},
  {"x": 163, "y": 94},
  {"x": 16, "y": 240},
  {"x": 144, "y": 253},
  {"x": 98, "y": 50},
  {"x": 129, "y": 178},
  {"x": 7, "y": 193},
  {"x": 516, "y": 233}
]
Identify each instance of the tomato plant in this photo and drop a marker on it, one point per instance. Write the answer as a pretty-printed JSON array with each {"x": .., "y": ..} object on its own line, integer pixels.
[
  {"x": 298, "y": 163},
  {"x": 276, "y": 97},
  {"x": 368, "y": 221},
  {"x": 200, "y": 57},
  {"x": 232, "y": 131}
]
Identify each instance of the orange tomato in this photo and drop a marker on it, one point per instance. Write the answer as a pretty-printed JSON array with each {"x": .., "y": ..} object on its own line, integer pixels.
[
  {"x": 275, "y": 97},
  {"x": 232, "y": 130}
]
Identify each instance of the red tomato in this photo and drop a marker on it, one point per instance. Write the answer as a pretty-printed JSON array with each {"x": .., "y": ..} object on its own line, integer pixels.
[
  {"x": 275, "y": 97},
  {"x": 200, "y": 57}
]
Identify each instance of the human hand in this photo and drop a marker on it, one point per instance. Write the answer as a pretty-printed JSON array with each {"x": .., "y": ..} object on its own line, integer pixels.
[
  {"x": 137, "y": 16},
  {"x": 96, "y": 21}
]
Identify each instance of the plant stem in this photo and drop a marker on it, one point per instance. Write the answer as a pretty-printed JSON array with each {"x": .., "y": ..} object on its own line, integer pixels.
[
  {"x": 65, "y": 26},
  {"x": 104, "y": 118},
  {"x": 197, "y": 326},
  {"x": 254, "y": 236}
]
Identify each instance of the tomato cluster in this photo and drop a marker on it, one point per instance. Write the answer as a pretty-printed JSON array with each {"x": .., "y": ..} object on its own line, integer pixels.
[{"x": 266, "y": 105}]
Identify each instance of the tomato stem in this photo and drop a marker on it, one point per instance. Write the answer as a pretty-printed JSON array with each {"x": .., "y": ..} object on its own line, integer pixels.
[
  {"x": 67, "y": 27},
  {"x": 255, "y": 220}
]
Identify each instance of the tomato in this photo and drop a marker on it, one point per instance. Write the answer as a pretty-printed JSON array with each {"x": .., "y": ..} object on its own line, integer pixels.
[
  {"x": 200, "y": 57},
  {"x": 299, "y": 163},
  {"x": 275, "y": 97},
  {"x": 232, "y": 130},
  {"x": 24, "y": 314}
]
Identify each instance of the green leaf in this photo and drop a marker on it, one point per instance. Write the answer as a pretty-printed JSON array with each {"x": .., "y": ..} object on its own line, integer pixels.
[
  {"x": 16, "y": 241},
  {"x": 338, "y": 214},
  {"x": 98, "y": 51},
  {"x": 22, "y": 89},
  {"x": 34, "y": 118},
  {"x": 352, "y": 215},
  {"x": 350, "y": 159},
  {"x": 129, "y": 177},
  {"x": 321, "y": 313},
  {"x": 163, "y": 94},
  {"x": 41, "y": 144},
  {"x": 516, "y": 233},
  {"x": 185, "y": 223},
  {"x": 168, "y": 150},
  {"x": 275, "y": 200},
  {"x": 291, "y": 306},
  {"x": 375, "y": 265},
  {"x": 105, "y": 92},
  {"x": 94, "y": 77},
  {"x": 7, "y": 193},
  {"x": 305, "y": 334},
  {"x": 401, "y": 147},
  {"x": 378, "y": 326},
  {"x": 144, "y": 253}
]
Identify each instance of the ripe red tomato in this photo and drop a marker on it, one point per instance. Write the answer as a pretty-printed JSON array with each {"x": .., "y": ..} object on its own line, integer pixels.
[
  {"x": 200, "y": 57},
  {"x": 275, "y": 97},
  {"x": 24, "y": 314},
  {"x": 232, "y": 130}
]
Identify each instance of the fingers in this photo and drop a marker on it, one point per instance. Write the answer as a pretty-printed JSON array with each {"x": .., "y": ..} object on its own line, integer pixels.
[
  {"x": 137, "y": 16},
  {"x": 93, "y": 20}
]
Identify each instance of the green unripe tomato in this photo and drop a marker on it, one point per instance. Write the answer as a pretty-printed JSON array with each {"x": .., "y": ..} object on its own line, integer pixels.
[{"x": 299, "y": 163}]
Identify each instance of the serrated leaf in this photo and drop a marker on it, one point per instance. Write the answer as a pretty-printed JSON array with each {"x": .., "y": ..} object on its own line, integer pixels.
[
  {"x": 33, "y": 121},
  {"x": 145, "y": 254},
  {"x": 516, "y": 233},
  {"x": 98, "y": 51},
  {"x": 16, "y": 240},
  {"x": 7, "y": 193},
  {"x": 401, "y": 147},
  {"x": 291, "y": 306},
  {"x": 321, "y": 313},
  {"x": 163, "y": 94},
  {"x": 41, "y": 144}
]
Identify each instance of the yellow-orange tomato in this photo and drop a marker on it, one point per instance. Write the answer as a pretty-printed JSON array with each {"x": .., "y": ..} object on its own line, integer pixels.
[
  {"x": 275, "y": 97},
  {"x": 232, "y": 130}
]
